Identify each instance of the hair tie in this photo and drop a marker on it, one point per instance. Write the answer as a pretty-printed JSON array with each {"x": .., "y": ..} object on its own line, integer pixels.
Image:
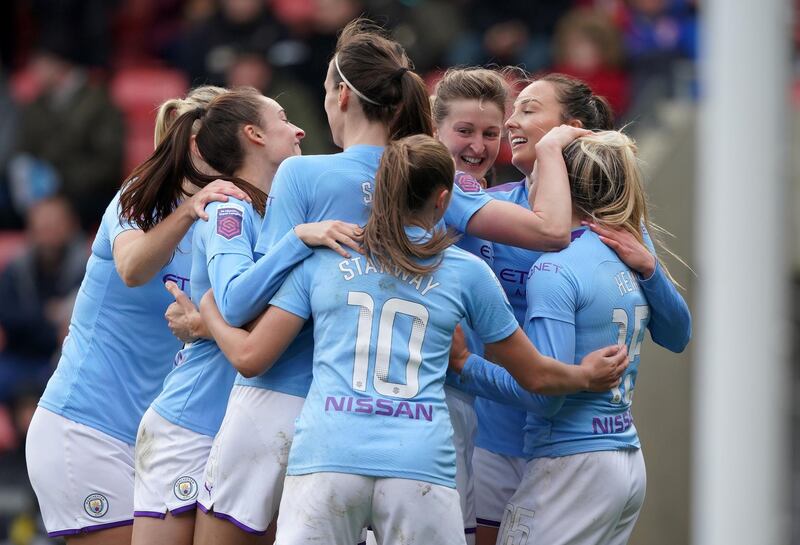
[
  {"x": 399, "y": 72},
  {"x": 358, "y": 93}
]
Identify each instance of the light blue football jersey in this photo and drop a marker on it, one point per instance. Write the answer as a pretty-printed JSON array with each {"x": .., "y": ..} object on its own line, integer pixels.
[
  {"x": 382, "y": 342},
  {"x": 315, "y": 188},
  {"x": 580, "y": 299},
  {"x": 500, "y": 426},
  {"x": 119, "y": 348},
  {"x": 196, "y": 391}
]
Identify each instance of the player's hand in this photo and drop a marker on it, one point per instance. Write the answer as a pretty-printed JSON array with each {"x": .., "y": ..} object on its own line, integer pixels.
[
  {"x": 333, "y": 234},
  {"x": 183, "y": 318},
  {"x": 604, "y": 367},
  {"x": 218, "y": 190},
  {"x": 561, "y": 136},
  {"x": 632, "y": 252},
  {"x": 458, "y": 351}
]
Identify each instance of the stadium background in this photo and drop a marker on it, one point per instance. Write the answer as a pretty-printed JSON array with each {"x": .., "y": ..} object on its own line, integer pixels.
[{"x": 117, "y": 59}]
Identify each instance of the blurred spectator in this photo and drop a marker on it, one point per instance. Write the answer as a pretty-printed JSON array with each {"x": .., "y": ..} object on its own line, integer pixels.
[
  {"x": 8, "y": 129},
  {"x": 208, "y": 48},
  {"x": 508, "y": 32},
  {"x": 658, "y": 33},
  {"x": 37, "y": 290},
  {"x": 302, "y": 108},
  {"x": 70, "y": 136},
  {"x": 589, "y": 47}
]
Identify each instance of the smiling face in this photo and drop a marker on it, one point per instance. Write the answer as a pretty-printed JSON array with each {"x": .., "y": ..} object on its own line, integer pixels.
[
  {"x": 471, "y": 131},
  {"x": 281, "y": 136},
  {"x": 536, "y": 111}
]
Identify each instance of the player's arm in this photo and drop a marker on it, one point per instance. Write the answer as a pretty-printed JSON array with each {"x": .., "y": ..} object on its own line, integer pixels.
[
  {"x": 247, "y": 287},
  {"x": 526, "y": 368},
  {"x": 252, "y": 352},
  {"x": 670, "y": 320},
  {"x": 546, "y": 226},
  {"x": 139, "y": 255}
]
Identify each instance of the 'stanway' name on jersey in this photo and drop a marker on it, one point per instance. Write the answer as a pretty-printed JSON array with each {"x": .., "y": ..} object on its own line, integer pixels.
[{"x": 362, "y": 265}]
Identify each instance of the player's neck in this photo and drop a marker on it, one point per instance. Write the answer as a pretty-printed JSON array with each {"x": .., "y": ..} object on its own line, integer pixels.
[
  {"x": 258, "y": 173},
  {"x": 364, "y": 132}
]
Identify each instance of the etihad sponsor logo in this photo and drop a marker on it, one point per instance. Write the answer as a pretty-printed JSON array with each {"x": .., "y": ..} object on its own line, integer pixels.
[{"x": 379, "y": 407}]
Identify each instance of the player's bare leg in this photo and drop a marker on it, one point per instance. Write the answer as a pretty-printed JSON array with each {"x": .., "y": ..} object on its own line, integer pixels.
[
  {"x": 172, "y": 530},
  {"x": 486, "y": 535},
  {"x": 210, "y": 530}
]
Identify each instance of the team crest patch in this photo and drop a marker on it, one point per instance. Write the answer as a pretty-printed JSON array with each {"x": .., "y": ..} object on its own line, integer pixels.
[
  {"x": 185, "y": 488},
  {"x": 467, "y": 183},
  {"x": 95, "y": 505},
  {"x": 229, "y": 221}
]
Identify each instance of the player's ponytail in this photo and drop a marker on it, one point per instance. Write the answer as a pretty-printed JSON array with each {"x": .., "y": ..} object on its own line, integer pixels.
[
  {"x": 156, "y": 187},
  {"x": 578, "y": 102},
  {"x": 412, "y": 169},
  {"x": 198, "y": 97},
  {"x": 380, "y": 76},
  {"x": 606, "y": 183}
]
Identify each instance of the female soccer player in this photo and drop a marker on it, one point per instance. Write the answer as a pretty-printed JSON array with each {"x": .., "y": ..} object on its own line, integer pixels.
[
  {"x": 585, "y": 479},
  {"x": 372, "y": 97},
  {"x": 80, "y": 444},
  {"x": 373, "y": 442},
  {"x": 245, "y": 136},
  {"x": 499, "y": 459}
]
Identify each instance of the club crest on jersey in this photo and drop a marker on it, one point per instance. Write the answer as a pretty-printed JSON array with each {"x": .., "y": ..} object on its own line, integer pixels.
[
  {"x": 467, "y": 182},
  {"x": 185, "y": 488},
  {"x": 95, "y": 505},
  {"x": 229, "y": 221}
]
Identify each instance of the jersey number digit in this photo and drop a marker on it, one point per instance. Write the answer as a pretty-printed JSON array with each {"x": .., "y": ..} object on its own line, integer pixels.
[
  {"x": 624, "y": 392},
  {"x": 391, "y": 308}
]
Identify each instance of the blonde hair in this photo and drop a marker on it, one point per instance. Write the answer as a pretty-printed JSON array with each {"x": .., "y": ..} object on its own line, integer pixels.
[
  {"x": 472, "y": 83},
  {"x": 607, "y": 186},
  {"x": 410, "y": 172},
  {"x": 173, "y": 108}
]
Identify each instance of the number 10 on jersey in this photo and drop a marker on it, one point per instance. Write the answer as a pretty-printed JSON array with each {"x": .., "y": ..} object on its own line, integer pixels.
[{"x": 383, "y": 347}]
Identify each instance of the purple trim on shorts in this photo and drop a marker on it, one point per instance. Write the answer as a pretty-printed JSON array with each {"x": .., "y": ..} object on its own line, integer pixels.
[
  {"x": 470, "y": 530},
  {"x": 150, "y": 514},
  {"x": 487, "y": 522},
  {"x": 232, "y": 520},
  {"x": 363, "y": 543},
  {"x": 87, "y": 529},
  {"x": 184, "y": 509}
]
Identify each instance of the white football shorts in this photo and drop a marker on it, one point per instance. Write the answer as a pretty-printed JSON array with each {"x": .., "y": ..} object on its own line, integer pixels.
[{"x": 82, "y": 477}]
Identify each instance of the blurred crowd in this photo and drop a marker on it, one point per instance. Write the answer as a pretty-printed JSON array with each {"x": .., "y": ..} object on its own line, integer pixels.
[{"x": 80, "y": 81}]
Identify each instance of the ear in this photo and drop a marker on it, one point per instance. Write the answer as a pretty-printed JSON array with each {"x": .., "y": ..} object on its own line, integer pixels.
[
  {"x": 344, "y": 96},
  {"x": 442, "y": 199},
  {"x": 193, "y": 146},
  {"x": 254, "y": 134},
  {"x": 575, "y": 123}
]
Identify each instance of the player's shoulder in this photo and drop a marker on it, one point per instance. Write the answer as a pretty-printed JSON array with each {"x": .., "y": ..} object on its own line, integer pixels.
[
  {"x": 509, "y": 191},
  {"x": 463, "y": 262}
]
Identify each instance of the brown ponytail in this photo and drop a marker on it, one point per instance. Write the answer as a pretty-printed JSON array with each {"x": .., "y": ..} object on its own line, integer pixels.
[
  {"x": 579, "y": 102},
  {"x": 381, "y": 75},
  {"x": 411, "y": 170},
  {"x": 156, "y": 187}
]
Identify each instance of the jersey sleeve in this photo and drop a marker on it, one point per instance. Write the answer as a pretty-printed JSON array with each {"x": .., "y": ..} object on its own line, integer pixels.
[
  {"x": 670, "y": 320},
  {"x": 463, "y": 205},
  {"x": 489, "y": 314},
  {"x": 246, "y": 290},
  {"x": 295, "y": 294},
  {"x": 116, "y": 225},
  {"x": 229, "y": 230},
  {"x": 552, "y": 290},
  {"x": 287, "y": 206}
]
